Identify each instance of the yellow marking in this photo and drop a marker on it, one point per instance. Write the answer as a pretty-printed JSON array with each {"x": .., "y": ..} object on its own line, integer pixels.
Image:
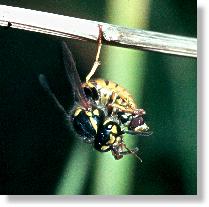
[
  {"x": 90, "y": 84},
  {"x": 103, "y": 99},
  {"x": 118, "y": 140},
  {"x": 106, "y": 122},
  {"x": 119, "y": 101},
  {"x": 94, "y": 124},
  {"x": 104, "y": 147},
  {"x": 77, "y": 112},
  {"x": 112, "y": 85},
  {"x": 114, "y": 129},
  {"x": 88, "y": 113},
  {"x": 96, "y": 112},
  {"x": 112, "y": 139},
  {"x": 101, "y": 82}
]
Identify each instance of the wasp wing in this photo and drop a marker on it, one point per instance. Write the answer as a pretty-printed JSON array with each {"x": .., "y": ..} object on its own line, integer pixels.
[
  {"x": 45, "y": 85},
  {"x": 73, "y": 76}
]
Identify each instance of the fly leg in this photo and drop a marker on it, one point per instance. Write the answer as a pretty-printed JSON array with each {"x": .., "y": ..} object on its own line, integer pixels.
[
  {"x": 116, "y": 154},
  {"x": 118, "y": 151},
  {"x": 112, "y": 103},
  {"x": 96, "y": 62},
  {"x": 131, "y": 151},
  {"x": 121, "y": 108}
]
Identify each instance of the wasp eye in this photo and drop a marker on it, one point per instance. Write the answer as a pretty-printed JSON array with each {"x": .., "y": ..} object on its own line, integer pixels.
[
  {"x": 91, "y": 93},
  {"x": 87, "y": 92}
]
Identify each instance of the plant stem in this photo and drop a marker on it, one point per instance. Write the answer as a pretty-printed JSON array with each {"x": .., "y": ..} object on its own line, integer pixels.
[{"x": 70, "y": 27}]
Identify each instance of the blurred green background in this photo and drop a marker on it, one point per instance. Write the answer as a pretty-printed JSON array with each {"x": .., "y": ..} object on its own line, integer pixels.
[{"x": 39, "y": 154}]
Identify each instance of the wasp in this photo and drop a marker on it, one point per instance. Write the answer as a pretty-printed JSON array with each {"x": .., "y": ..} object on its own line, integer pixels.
[{"x": 103, "y": 111}]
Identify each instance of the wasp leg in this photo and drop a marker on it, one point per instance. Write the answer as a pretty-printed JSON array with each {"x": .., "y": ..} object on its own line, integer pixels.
[
  {"x": 45, "y": 85},
  {"x": 139, "y": 112},
  {"x": 96, "y": 62},
  {"x": 122, "y": 108}
]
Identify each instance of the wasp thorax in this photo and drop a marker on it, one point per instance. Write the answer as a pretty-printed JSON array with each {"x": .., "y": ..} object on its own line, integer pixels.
[
  {"x": 87, "y": 122},
  {"x": 107, "y": 136}
]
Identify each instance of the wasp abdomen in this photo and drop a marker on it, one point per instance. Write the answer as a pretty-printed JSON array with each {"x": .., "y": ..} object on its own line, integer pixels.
[{"x": 110, "y": 92}]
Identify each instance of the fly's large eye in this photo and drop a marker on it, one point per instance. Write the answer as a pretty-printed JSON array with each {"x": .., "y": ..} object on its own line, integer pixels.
[{"x": 136, "y": 122}]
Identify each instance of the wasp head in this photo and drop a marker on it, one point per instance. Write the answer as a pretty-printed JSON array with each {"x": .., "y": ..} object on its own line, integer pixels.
[{"x": 107, "y": 136}]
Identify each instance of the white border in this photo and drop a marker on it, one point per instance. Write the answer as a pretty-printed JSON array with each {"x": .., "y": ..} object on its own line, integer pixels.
[{"x": 202, "y": 200}]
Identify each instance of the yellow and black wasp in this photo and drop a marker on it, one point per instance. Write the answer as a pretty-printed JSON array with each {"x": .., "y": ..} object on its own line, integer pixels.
[{"x": 103, "y": 111}]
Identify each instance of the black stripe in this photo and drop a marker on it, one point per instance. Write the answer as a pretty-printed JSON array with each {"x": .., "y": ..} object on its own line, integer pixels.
[{"x": 107, "y": 82}]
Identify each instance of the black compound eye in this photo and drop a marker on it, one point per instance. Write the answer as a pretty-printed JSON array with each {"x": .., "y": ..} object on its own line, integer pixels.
[
  {"x": 95, "y": 95},
  {"x": 91, "y": 93},
  {"x": 88, "y": 92}
]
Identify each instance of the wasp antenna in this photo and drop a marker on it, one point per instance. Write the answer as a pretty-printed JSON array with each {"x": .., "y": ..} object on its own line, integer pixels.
[
  {"x": 133, "y": 152},
  {"x": 44, "y": 83}
]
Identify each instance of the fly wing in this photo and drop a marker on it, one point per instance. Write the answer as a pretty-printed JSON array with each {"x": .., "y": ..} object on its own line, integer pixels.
[{"x": 73, "y": 77}]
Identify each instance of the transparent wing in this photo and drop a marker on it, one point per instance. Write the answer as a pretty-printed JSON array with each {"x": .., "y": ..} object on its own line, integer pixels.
[
  {"x": 45, "y": 85},
  {"x": 73, "y": 77}
]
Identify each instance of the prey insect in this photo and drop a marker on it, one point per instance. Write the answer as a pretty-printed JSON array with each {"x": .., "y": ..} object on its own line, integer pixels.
[{"x": 103, "y": 111}]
